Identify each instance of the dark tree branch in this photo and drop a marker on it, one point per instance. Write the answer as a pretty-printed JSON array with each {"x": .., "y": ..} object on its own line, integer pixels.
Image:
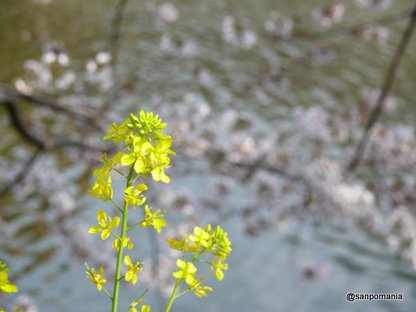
[
  {"x": 282, "y": 172},
  {"x": 379, "y": 106},
  {"x": 114, "y": 50},
  {"x": 115, "y": 31},
  {"x": 218, "y": 156},
  {"x": 68, "y": 143},
  {"x": 11, "y": 95},
  {"x": 21, "y": 175},
  {"x": 18, "y": 124},
  {"x": 41, "y": 143}
]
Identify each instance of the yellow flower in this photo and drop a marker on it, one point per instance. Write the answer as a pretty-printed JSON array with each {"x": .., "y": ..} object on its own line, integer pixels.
[
  {"x": 117, "y": 132},
  {"x": 101, "y": 173},
  {"x": 154, "y": 219},
  {"x": 201, "y": 237},
  {"x": 96, "y": 278},
  {"x": 183, "y": 244},
  {"x": 133, "y": 196},
  {"x": 186, "y": 271},
  {"x": 102, "y": 189},
  {"x": 158, "y": 174},
  {"x": 219, "y": 266},
  {"x": 198, "y": 289},
  {"x": 177, "y": 244},
  {"x": 137, "y": 157},
  {"x": 110, "y": 163},
  {"x": 105, "y": 225},
  {"x": 5, "y": 285},
  {"x": 132, "y": 270},
  {"x": 126, "y": 243},
  {"x": 222, "y": 247},
  {"x": 148, "y": 148},
  {"x": 145, "y": 308},
  {"x": 160, "y": 159}
]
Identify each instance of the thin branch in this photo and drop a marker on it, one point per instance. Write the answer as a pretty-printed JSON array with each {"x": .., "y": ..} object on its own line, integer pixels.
[
  {"x": 41, "y": 143},
  {"x": 284, "y": 173},
  {"x": 21, "y": 175},
  {"x": 11, "y": 95},
  {"x": 18, "y": 124},
  {"x": 114, "y": 50},
  {"x": 65, "y": 143},
  {"x": 115, "y": 31},
  {"x": 217, "y": 156},
  {"x": 388, "y": 82}
]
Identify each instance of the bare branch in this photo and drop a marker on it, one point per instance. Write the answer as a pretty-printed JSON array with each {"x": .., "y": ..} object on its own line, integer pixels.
[
  {"x": 379, "y": 106},
  {"x": 114, "y": 50},
  {"x": 18, "y": 124},
  {"x": 219, "y": 156},
  {"x": 115, "y": 30},
  {"x": 21, "y": 175},
  {"x": 11, "y": 95},
  {"x": 39, "y": 142}
]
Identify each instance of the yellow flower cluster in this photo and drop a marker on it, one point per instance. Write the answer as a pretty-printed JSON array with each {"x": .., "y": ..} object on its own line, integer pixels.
[
  {"x": 146, "y": 155},
  {"x": 148, "y": 149},
  {"x": 5, "y": 285},
  {"x": 186, "y": 271},
  {"x": 202, "y": 241}
]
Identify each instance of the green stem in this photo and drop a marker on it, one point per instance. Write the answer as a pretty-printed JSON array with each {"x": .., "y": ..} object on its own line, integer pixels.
[
  {"x": 120, "y": 250},
  {"x": 175, "y": 289},
  {"x": 118, "y": 171},
  {"x": 182, "y": 293},
  {"x": 173, "y": 295},
  {"x": 107, "y": 293},
  {"x": 115, "y": 235},
  {"x": 117, "y": 206},
  {"x": 134, "y": 225},
  {"x": 138, "y": 299}
]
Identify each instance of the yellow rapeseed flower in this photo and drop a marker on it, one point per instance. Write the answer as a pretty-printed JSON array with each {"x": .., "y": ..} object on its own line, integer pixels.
[
  {"x": 102, "y": 189},
  {"x": 105, "y": 225},
  {"x": 198, "y": 289},
  {"x": 133, "y": 195},
  {"x": 132, "y": 270},
  {"x": 154, "y": 219},
  {"x": 5, "y": 285},
  {"x": 96, "y": 277},
  {"x": 126, "y": 243},
  {"x": 185, "y": 271}
]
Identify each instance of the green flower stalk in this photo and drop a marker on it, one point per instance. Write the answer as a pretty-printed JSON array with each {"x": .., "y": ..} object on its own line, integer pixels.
[{"x": 145, "y": 155}]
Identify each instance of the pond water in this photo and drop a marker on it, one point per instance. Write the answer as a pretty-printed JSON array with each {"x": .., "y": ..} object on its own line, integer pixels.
[{"x": 307, "y": 264}]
